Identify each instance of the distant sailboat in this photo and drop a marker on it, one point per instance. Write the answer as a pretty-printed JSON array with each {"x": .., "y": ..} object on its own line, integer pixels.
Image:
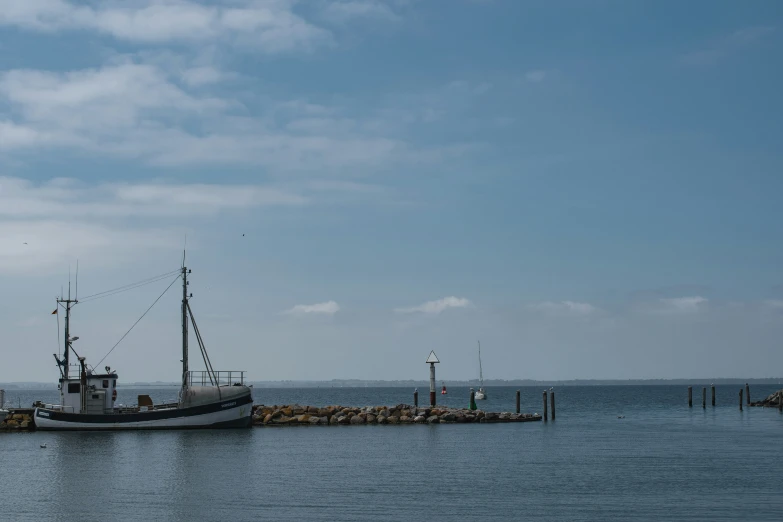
[{"x": 480, "y": 394}]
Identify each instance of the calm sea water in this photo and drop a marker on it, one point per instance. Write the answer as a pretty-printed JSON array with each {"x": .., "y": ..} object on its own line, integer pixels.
[{"x": 663, "y": 461}]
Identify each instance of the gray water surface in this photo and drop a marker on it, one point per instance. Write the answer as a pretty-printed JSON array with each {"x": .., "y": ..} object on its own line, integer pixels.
[{"x": 663, "y": 461}]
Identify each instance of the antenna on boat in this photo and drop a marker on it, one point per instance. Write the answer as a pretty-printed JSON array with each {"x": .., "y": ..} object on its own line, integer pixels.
[
  {"x": 67, "y": 337},
  {"x": 77, "y": 279}
]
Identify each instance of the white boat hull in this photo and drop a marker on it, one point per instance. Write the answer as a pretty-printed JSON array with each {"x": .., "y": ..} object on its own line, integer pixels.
[
  {"x": 481, "y": 397},
  {"x": 236, "y": 413}
]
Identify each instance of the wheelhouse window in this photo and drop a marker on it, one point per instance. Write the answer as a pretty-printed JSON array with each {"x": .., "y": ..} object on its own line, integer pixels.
[
  {"x": 105, "y": 383},
  {"x": 73, "y": 387}
]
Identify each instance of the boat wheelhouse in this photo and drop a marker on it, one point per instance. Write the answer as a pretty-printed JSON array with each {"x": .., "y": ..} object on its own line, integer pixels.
[{"x": 207, "y": 399}]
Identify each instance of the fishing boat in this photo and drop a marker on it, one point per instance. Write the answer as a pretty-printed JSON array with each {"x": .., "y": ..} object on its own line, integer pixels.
[
  {"x": 207, "y": 399},
  {"x": 480, "y": 394},
  {"x": 443, "y": 390}
]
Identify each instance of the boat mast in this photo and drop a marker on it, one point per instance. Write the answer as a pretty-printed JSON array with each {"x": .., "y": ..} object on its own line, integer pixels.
[
  {"x": 68, "y": 304},
  {"x": 184, "y": 324},
  {"x": 481, "y": 373}
]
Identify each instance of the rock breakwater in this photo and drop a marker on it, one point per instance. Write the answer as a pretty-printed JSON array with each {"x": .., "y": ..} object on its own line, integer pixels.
[
  {"x": 297, "y": 415},
  {"x": 773, "y": 400},
  {"x": 17, "y": 422}
]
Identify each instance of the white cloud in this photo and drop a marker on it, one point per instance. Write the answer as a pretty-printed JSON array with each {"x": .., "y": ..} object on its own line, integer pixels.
[
  {"x": 436, "y": 307},
  {"x": 205, "y": 75},
  {"x": 327, "y": 308},
  {"x": 683, "y": 304},
  {"x": 774, "y": 303},
  {"x": 98, "y": 104},
  {"x": 138, "y": 111},
  {"x": 13, "y": 136},
  {"x": 569, "y": 307},
  {"x": 51, "y": 243},
  {"x": 269, "y": 26},
  {"x": 535, "y": 76},
  {"x": 42, "y": 224}
]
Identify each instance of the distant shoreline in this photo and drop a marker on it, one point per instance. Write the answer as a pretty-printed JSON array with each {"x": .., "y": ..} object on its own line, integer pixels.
[{"x": 424, "y": 384}]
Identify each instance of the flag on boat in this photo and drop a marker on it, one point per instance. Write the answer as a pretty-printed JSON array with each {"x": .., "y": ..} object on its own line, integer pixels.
[{"x": 55, "y": 311}]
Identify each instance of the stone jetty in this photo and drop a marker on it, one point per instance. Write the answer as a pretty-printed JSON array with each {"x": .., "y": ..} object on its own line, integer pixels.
[
  {"x": 297, "y": 415},
  {"x": 773, "y": 400},
  {"x": 18, "y": 420}
]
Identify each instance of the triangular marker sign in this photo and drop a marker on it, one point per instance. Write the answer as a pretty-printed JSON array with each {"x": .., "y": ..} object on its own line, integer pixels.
[{"x": 432, "y": 358}]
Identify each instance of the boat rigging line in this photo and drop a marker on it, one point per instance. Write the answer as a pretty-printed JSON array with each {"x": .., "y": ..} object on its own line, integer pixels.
[
  {"x": 207, "y": 363},
  {"x": 139, "y": 319},
  {"x": 127, "y": 287}
]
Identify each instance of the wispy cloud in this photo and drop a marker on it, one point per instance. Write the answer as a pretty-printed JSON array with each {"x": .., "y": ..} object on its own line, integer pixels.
[
  {"x": 683, "y": 304},
  {"x": 139, "y": 111},
  {"x": 437, "y": 306},
  {"x": 33, "y": 247},
  {"x": 23, "y": 199},
  {"x": 535, "y": 76},
  {"x": 346, "y": 10},
  {"x": 204, "y": 75},
  {"x": 270, "y": 26},
  {"x": 41, "y": 224},
  {"x": 726, "y": 46},
  {"x": 567, "y": 307},
  {"x": 327, "y": 308}
]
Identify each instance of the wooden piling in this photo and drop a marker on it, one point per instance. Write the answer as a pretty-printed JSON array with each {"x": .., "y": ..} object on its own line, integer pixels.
[
  {"x": 704, "y": 397},
  {"x": 690, "y": 396},
  {"x": 517, "y": 401},
  {"x": 472, "y": 405},
  {"x": 432, "y": 384},
  {"x": 552, "y": 398},
  {"x": 747, "y": 393},
  {"x": 713, "y": 395},
  {"x": 740, "y": 399},
  {"x": 416, "y": 398},
  {"x": 545, "y": 415}
]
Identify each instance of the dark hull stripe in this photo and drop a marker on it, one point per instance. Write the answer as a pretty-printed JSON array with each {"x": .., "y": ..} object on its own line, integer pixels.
[
  {"x": 154, "y": 415},
  {"x": 245, "y": 422}
]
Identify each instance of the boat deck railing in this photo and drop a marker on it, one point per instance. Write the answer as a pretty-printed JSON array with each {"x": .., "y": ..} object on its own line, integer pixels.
[
  {"x": 59, "y": 407},
  {"x": 217, "y": 378}
]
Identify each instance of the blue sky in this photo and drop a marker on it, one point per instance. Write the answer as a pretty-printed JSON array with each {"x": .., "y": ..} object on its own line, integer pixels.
[{"x": 591, "y": 188}]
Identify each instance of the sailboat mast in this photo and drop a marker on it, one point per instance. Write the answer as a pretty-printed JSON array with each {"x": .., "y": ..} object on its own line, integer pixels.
[
  {"x": 481, "y": 372},
  {"x": 184, "y": 326}
]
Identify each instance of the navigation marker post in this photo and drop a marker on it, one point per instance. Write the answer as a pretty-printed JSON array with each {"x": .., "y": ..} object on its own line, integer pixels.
[{"x": 432, "y": 360}]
